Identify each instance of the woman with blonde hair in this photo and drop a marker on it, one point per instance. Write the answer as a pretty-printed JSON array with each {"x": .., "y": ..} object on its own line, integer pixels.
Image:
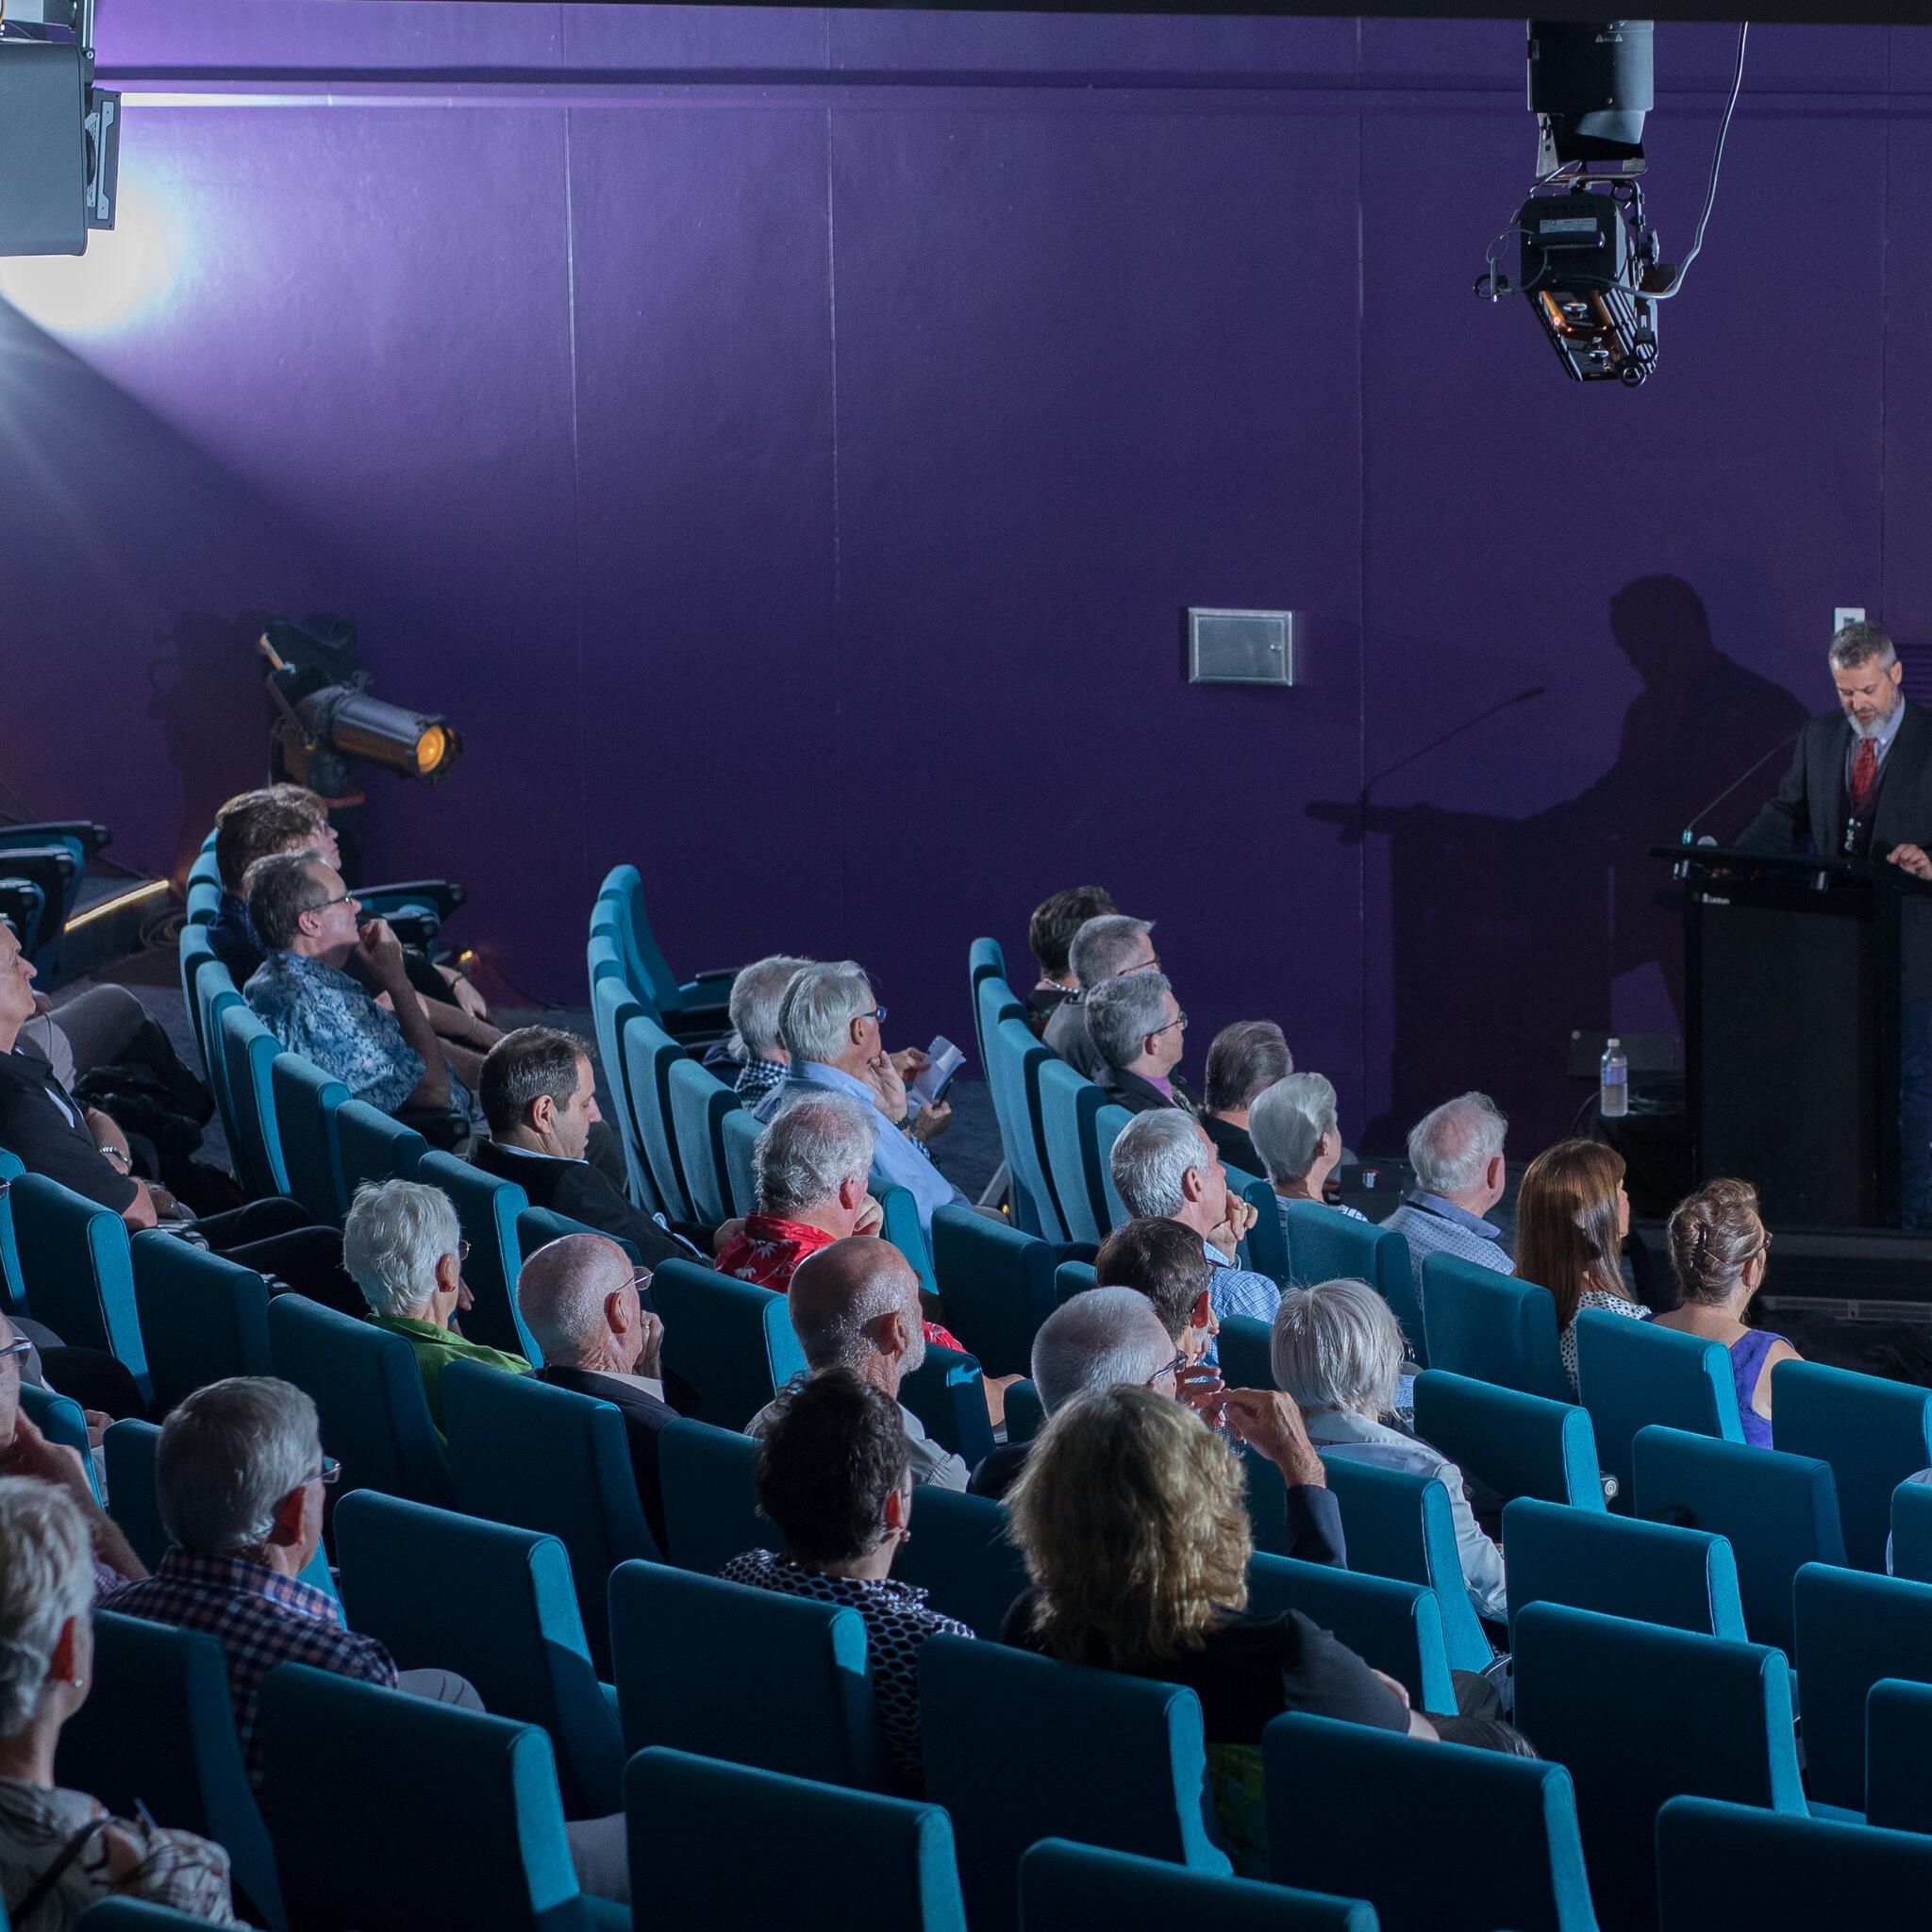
[
  {"x": 59, "y": 1851},
  {"x": 1719, "y": 1253},
  {"x": 1572, "y": 1215},
  {"x": 1132, "y": 1519}
]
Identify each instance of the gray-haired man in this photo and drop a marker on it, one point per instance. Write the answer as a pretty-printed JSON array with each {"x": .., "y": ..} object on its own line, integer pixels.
[
  {"x": 1102, "y": 949},
  {"x": 1139, "y": 1030},
  {"x": 1456, "y": 1150}
]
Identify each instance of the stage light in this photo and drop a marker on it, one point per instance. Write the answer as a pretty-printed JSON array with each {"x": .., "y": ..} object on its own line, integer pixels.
[
  {"x": 60, "y": 134},
  {"x": 1590, "y": 264},
  {"x": 121, "y": 277},
  {"x": 356, "y": 725}
]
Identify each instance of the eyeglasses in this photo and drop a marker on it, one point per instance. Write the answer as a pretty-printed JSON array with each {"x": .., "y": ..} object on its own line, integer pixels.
[
  {"x": 1181, "y": 1022},
  {"x": 328, "y": 1473},
  {"x": 871, "y": 1013},
  {"x": 19, "y": 1349},
  {"x": 1152, "y": 965},
  {"x": 1168, "y": 1369},
  {"x": 323, "y": 905}
]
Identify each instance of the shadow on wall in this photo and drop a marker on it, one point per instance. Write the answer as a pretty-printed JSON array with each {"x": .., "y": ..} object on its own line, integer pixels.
[{"x": 1508, "y": 932}]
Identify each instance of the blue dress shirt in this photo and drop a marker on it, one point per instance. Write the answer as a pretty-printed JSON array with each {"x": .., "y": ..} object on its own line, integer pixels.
[{"x": 1432, "y": 1225}]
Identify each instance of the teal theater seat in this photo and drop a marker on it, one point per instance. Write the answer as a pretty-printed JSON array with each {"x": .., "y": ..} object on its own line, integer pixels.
[
  {"x": 1491, "y": 1327},
  {"x": 1515, "y": 1444},
  {"x": 1873, "y": 1432},
  {"x": 1070, "y": 1887}
]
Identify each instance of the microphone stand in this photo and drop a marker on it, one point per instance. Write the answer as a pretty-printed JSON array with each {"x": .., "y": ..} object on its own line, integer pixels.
[{"x": 1521, "y": 698}]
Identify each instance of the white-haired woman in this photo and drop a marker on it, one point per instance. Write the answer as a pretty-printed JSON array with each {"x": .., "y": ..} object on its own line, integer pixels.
[
  {"x": 59, "y": 1851},
  {"x": 1338, "y": 1350},
  {"x": 1295, "y": 1131}
]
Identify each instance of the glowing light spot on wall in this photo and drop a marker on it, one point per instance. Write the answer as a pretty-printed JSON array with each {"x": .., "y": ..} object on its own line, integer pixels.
[{"x": 125, "y": 275}]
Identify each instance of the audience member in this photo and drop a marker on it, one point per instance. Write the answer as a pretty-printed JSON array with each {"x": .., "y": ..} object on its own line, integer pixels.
[
  {"x": 1050, "y": 933},
  {"x": 1165, "y": 1168},
  {"x": 1457, "y": 1151},
  {"x": 61, "y": 1851},
  {"x": 388, "y": 1056},
  {"x": 47, "y": 1133},
  {"x": 829, "y": 1023},
  {"x": 579, "y": 1298},
  {"x": 1140, "y": 1032},
  {"x": 98, "y": 1026},
  {"x": 1572, "y": 1215},
  {"x": 1295, "y": 1132},
  {"x": 1133, "y": 1520},
  {"x": 834, "y": 1480},
  {"x": 1338, "y": 1350},
  {"x": 854, "y": 1305},
  {"x": 1243, "y": 1059},
  {"x": 1102, "y": 949},
  {"x": 404, "y": 1247},
  {"x": 539, "y": 1095},
  {"x": 756, "y": 996},
  {"x": 1720, "y": 1255},
  {"x": 1167, "y": 1263}
]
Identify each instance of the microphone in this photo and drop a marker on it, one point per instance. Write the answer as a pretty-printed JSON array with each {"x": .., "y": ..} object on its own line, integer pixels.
[{"x": 1783, "y": 744}]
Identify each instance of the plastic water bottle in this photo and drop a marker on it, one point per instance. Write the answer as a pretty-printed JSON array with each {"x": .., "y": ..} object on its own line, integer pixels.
[{"x": 1614, "y": 1101}]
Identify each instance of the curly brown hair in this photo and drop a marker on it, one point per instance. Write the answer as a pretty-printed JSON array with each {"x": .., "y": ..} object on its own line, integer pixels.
[{"x": 1715, "y": 1233}]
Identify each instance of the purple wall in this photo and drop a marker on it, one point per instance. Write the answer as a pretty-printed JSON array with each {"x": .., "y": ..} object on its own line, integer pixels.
[{"x": 786, "y": 442}]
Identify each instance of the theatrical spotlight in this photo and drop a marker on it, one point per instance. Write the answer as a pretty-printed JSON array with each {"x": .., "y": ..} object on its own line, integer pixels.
[
  {"x": 1589, "y": 265},
  {"x": 321, "y": 715},
  {"x": 60, "y": 134}
]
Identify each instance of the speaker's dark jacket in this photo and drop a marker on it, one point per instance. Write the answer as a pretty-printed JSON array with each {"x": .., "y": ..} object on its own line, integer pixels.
[{"x": 1814, "y": 802}]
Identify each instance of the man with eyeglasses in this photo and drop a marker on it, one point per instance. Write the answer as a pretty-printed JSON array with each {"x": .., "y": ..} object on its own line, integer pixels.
[
  {"x": 1140, "y": 1032},
  {"x": 1106, "y": 947}
]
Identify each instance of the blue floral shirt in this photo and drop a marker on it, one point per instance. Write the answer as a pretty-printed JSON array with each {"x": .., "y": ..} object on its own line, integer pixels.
[{"x": 321, "y": 1013}]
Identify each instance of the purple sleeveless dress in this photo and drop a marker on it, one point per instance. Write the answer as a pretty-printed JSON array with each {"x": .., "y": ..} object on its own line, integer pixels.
[{"x": 1747, "y": 1364}]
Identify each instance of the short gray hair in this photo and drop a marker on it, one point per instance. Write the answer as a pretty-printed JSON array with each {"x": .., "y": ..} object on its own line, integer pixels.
[
  {"x": 756, "y": 995},
  {"x": 560, "y": 1292},
  {"x": 279, "y": 889},
  {"x": 820, "y": 1004},
  {"x": 1860, "y": 643},
  {"x": 227, "y": 1456},
  {"x": 1452, "y": 1144},
  {"x": 1095, "y": 1340},
  {"x": 814, "y": 1142},
  {"x": 1122, "y": 1012},
  {"x": 46, "y": 1578},
  {"x": 1244, "y": 1057},
  {"x": 1151, "y": 1159},
  {"x": 396, "y": 1233},
  {"x": 835, "y": 1336},
  {"x": 1103, "y": 945},
  {"x": 1337, "y": 1345},
  {"x": 1287, "y": 1122}
]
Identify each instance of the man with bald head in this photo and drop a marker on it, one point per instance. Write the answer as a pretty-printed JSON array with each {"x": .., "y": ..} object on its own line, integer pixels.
[
  {"x": 854, "y": 1305},
  {"x": 579, "y": 1298}
]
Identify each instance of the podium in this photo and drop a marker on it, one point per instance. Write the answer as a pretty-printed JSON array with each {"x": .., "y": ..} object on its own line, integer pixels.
[{"x": 1792, "y": 1030}]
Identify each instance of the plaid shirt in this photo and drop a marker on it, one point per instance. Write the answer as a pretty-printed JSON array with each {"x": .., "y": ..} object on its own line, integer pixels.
[
  {"x": 757, "y": 1078},
  {"x": 261, "y": 1618}
]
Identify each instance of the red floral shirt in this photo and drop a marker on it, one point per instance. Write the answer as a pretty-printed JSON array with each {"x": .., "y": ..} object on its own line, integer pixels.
[{"x": 769, "y": 1249}]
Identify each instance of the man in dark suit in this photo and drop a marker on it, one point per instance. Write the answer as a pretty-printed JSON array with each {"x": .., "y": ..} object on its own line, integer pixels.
[
  {"x": 1138, "y": 1032},
  {"x": 578, "y": 1296},
  {"x": 540, "y": 1097},
  {"x": 1860, "y": 786}
]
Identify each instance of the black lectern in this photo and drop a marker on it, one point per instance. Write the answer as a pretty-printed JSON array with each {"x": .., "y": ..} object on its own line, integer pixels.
[{"x": 1792, "y": 1030}]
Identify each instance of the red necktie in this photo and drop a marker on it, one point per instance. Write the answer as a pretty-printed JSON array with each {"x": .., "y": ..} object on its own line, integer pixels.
[{"x": 1864, "y": 775}]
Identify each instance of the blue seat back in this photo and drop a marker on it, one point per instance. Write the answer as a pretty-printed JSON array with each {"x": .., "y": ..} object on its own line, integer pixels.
[
  {"x": 1874, "y": 1433},
  {"x": 1779, "y": 1512},
  {"x": 1073, "y": 1278},
  {"x": 1911, "y": 1531},
  {"x": 403, "y": 1773},
  {"x": 1025, "y": 1415},
  {"x": 369, "y": 1392},
  {"x": 1325, "y": 1244},
  {"x": 249, "y": 1052},
  {"x": 947, "y": 1393},
  {"x": 650, "y": 972},
  {"x": 489, "y": 1210},
  {"x": 1853, "y": 1630},
  {"x": 1143, "y": 1764},
  {"x": 612, "y": 1005},
  {"x": 1064, "y": 1884},
  {"x": 305, "y": 1104},
  {"x": 1486, "y": 1838},
  {"x": 649, "y": 1053},
  {"x": 1110, "y": 1121},
  {"x": 1639, "y": 1714},
  {"x": 520, "y": 1640},
  {"x": 77, "y": 1269},
  {"x": 795, "y": 1846},
  {"x": 1399, "y": 1524},
  {"x": 12, "y": 1286},
  {"x": 1014, "y": 1063},
  {"x": 761, "y": 1677},
  {"x": 158, "y": 1731},
  {"x": 1898, "y": 1755},
  {"x": 195, "y": 956},
  {"x": 962, "y": 1557},
  {"x": 1619, "y": 1567},
  {"x": 996, "y": 1283},
  {"x": 984, "y": 960},
  {"x": 552, "y": 1461},
  {"x": 700, "y": 1103},
  {"x": 1491, "y": 1327},
  {"x": 901, "y": 1226},
  {"x": 202, "y": 1317},
  {"x": 1069, "y": 1106},
  {"x": 1732, "y": 1868},
  {"x": 1395, "y": 1627},
  {"x": 731, "y": 1339},
  {"x": 1630, "y": 1375},
  {"x": 1516, "y": 1444},
  {"x": 740, "y": 1131},
  {"x": 1244, "y": 1347},
  {"x": 1265, "y": 1250},
  {"x": 710, "y": 1496},
  {"x": 371, "y": 1146}
]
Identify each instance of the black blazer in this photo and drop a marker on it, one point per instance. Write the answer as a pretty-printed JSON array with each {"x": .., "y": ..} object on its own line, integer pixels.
[
  {"x": 1234, "y": 1145},
  {"x": 1138, "y": 1095},
  {"x": 1814, "y": 802},
  {"x": 644, "y": 1421},
  {"x": 576, "y": 1189}
]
